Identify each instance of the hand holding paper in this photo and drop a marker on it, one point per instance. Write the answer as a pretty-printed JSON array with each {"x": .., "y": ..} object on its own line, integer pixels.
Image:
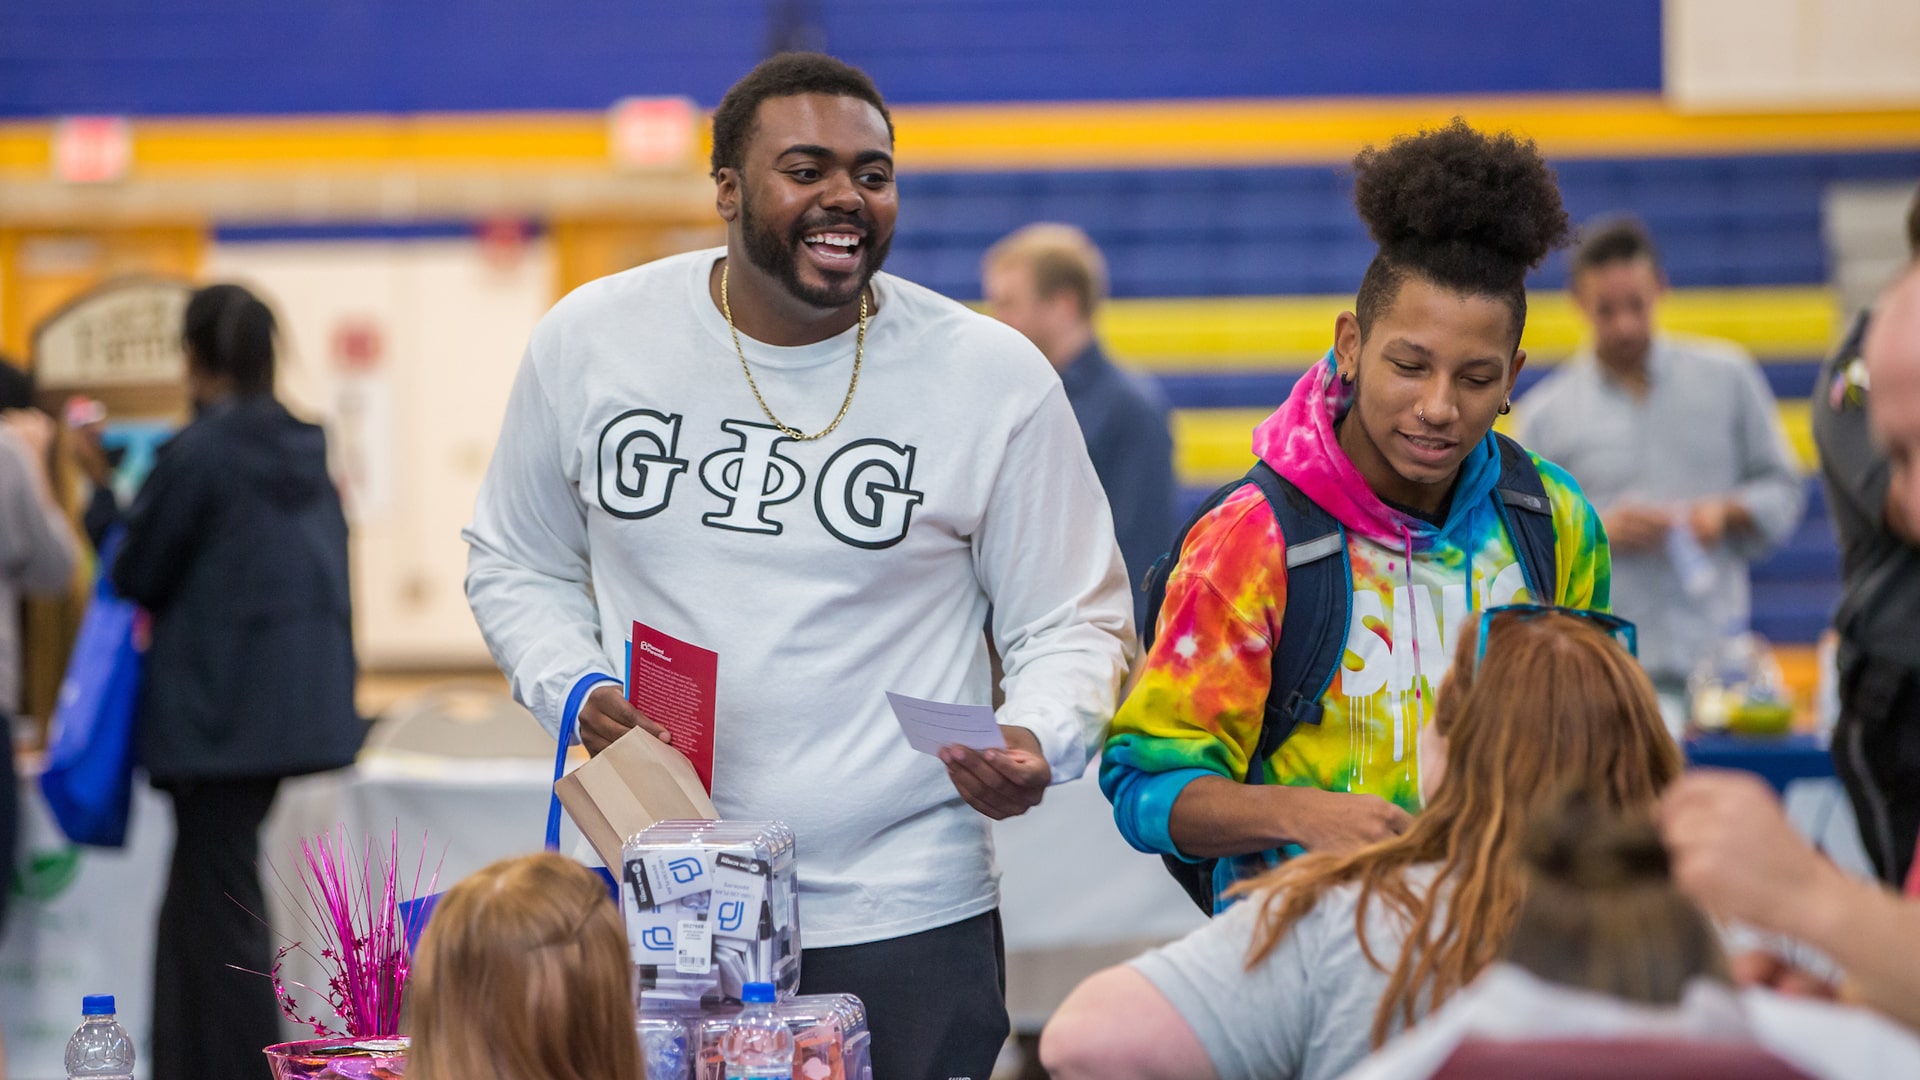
[
  {"x": 998, "y": 770},
  {"x": 1000, "y": 782},
  {"x": 606, "y": 715}
]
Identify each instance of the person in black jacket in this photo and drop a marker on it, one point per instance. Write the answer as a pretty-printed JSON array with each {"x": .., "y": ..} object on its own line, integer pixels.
[{"x": 237, "y": 547}]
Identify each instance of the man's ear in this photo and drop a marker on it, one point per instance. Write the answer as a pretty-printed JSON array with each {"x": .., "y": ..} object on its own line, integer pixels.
[
  {"x": 726, "y": 193},
  {"x": 1513, "y": 373},
  {"x": 1346, "y": 344}
]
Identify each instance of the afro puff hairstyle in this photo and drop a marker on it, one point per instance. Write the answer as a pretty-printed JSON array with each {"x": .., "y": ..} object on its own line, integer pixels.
[
  {"x": 784, "y": 75},
  {"x": 1468, "y": 212}
]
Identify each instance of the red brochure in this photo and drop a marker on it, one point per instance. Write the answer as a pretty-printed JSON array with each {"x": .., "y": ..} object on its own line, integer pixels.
[{"x": 672, "y": 683}]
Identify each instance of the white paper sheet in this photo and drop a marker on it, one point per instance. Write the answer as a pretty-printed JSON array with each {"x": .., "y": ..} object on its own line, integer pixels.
[{"x": 930, "y": 725}]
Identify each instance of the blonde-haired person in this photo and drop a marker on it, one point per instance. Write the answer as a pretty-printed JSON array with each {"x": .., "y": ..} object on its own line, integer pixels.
[
  {"x": 1047, "y": 280},
  {"x": 1608, "y": 956},
  {"x": 1330, "y": 954},
  {"x": 523, "y": 974}
]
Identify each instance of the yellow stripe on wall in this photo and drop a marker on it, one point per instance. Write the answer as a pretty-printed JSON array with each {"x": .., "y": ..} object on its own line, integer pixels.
[
  {"x": 1330, "y": 131},
  {"x": 1267, "y": 332},
  {"x": 1144, "y": 134},
  {"x": 1212, "y": 446}
]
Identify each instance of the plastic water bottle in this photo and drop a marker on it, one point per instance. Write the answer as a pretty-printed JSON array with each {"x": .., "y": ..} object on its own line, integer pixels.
[
  {"x": 101, "y": 1049},
  {"x": 758, "y": 1045}
]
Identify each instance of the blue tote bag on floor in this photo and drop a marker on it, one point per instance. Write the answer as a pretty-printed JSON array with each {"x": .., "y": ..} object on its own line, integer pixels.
[{"x": 88, "y": 779}]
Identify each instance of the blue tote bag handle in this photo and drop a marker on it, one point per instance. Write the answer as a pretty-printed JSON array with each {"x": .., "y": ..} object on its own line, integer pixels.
[
  {"x": 415, "y": 913},
  {"x": 568, "y": 718}
]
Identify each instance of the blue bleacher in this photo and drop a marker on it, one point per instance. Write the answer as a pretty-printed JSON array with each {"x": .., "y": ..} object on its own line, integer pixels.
[
  {"x": 1790, "y": 380},
  {"x": 1795, "y": 589},
  {"x": 1721, "y": 222}
]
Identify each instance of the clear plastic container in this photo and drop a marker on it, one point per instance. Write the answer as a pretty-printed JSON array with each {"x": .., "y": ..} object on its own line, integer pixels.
[
  {"x": 100, "y": 1049},
  {"x": 830, "y": 1038},
  {"x": 757, "y": 1044},
  {"x": 710, "y": 907},
  {"x": 666, "y": 1043}
]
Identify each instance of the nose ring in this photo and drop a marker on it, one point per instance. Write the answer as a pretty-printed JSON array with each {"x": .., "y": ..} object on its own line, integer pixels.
[{"x": 1422, "y": 414}]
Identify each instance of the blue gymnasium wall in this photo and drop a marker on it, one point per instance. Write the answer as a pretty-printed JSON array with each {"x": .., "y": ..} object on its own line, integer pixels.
[{"x": 220, "y": 57}]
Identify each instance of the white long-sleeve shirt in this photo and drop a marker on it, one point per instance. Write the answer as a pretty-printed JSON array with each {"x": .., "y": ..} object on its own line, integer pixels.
[{"x": 636, "y": 478}]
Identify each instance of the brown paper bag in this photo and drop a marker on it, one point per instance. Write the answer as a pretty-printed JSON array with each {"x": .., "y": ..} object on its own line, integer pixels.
[{"x": 628, "y": 786}]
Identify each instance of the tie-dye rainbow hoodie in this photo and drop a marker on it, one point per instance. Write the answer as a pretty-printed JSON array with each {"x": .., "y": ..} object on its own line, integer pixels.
[{"x": 1197, "y": 705}]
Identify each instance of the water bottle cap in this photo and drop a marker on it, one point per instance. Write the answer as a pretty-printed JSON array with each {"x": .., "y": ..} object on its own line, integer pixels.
[
  {"x": 756, "y": 993},
  {"x": 96, "y": 1005}
]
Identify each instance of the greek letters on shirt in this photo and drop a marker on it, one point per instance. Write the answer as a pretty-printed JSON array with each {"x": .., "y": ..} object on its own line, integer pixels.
[{"x": 864, "y": 495}]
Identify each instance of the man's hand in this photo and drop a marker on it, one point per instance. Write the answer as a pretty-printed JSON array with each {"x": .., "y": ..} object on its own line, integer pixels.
[
  {"x": 33, "y": 428},
  {"x": 1758, "y": 967},
  {"x": 1000, "y": 783},
  {"x": 1714, "y": 520},
  {"x": 1735, "y": 854},
  {"x": 1339, "y": 821},
  {"x": 606, "y": 716},
  {"x": 1636, "y": 527}
]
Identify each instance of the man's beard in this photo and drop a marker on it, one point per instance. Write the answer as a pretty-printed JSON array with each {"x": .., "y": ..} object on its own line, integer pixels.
[{"x": 778, "y": 256}]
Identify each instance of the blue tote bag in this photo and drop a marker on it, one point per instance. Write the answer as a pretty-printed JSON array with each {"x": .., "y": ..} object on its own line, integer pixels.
[{"x": 88, "y": 779}]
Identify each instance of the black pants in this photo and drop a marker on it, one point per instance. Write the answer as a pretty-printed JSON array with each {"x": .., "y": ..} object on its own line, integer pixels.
[
  {"x": 208, "y": 1018},
  {"x": 1876, "y": 752},
  {"x": 936, "y": 1001}
]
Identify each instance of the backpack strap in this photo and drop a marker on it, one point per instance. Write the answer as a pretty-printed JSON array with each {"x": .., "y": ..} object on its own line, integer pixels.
[
  {"x": 1527, "y": 513},
  {"x": 1313, "y": 625}
]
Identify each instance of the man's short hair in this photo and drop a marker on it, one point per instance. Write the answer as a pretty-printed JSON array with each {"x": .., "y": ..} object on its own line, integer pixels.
[
  {"x": 1613, "y": 240},
  {"x": 1062, "y": 258},
  {"x": 785, "y": 75}
]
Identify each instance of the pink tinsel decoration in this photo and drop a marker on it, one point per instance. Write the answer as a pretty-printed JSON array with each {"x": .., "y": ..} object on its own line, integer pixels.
[{"x": 354, "y": 911}]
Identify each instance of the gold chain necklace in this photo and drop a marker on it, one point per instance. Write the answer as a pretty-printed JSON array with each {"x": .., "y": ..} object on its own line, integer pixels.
[{"x": 859, "y": 351}]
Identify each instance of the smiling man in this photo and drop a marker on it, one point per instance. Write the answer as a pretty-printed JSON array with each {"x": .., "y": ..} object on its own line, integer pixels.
[{"x": 826, "y": 475}]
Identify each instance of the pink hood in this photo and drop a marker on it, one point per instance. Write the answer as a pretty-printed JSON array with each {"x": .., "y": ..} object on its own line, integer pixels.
[{"x": 1298, "y": 441}]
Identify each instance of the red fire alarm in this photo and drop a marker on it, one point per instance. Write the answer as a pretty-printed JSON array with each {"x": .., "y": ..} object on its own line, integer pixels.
[
  {"x": 92, "y": 149},
  {"x": 356, "y": 344}
]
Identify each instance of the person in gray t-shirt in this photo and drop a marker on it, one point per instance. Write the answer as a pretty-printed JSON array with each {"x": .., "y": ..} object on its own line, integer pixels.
[
  {"x": 1280, "y": 985},
  {"x": 1876, "y": 743},
  {"x": 37, "y": 553},
  {"x": 1678, "y": 443}
]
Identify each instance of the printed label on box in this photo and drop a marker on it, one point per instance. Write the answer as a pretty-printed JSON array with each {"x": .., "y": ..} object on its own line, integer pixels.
[
  {"x": 693, "y": 948},
  {"x": 652, "y": 935},
  {"x": 739, "y": 897},
  {"x": 673, "y": 873}
]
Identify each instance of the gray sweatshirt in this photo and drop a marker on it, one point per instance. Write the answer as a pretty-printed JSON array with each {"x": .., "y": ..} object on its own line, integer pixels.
[
  {"x": 1708, "y": 427},
  {"x": 37, "y": 554}
]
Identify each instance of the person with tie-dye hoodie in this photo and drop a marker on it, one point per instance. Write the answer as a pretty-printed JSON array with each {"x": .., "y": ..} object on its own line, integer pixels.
[{"x": 1390, "y": 434}]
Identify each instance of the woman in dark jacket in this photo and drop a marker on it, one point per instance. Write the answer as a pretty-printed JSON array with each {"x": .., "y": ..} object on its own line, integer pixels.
[{"x": 237, "y": 547}]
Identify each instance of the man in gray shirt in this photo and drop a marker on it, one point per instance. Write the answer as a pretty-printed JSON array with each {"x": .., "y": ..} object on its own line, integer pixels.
[
  {"x": 1678, "y": 442},
  {"x": 1876, "y": 744}
]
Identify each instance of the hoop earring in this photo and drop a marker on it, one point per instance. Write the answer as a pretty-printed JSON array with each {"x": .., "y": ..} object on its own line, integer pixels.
[
  {"x": 1346, "y": 378},
  {"x": 1506, "y": 406}
]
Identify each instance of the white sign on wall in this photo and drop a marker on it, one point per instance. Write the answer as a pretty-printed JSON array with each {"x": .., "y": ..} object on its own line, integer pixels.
[{"x": 125, "y": 333}]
